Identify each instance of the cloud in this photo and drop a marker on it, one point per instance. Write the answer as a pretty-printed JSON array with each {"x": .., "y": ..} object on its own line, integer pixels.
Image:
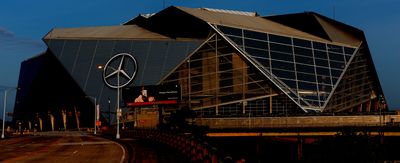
[
  {"x": 10, "y": 43},
  {"x": 6, "y": 33}
]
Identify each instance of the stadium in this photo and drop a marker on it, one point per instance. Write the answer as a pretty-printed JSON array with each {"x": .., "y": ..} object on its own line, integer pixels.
[{"x": 216, "y": 62}]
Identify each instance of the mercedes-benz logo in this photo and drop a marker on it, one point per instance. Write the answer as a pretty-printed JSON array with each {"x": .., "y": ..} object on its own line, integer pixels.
[{"x": 120, "y": 70}]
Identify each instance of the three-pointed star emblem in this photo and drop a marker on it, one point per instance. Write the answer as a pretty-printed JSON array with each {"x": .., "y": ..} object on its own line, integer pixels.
[{"x": 120, "y": 70}]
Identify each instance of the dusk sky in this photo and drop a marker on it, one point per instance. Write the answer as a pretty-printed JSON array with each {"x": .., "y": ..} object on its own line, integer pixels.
[{"x": 23, "y": 23}]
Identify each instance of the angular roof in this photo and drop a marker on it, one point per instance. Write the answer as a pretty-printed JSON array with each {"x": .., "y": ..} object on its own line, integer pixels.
[
  {"x": 321, "y": 26},
  {"x": 175, "y": 21},
  {"x": 106, "y": 32},
  {"x": 248, "y": 22}
]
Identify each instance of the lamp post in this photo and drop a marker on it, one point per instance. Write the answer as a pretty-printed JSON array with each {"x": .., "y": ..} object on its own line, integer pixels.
[
  {"x": 118, "y": 112},
  {"x": 129, "y": 74},
  {"x": 4, "y": 111},
  {"x": 109, "y": 111},
  {"x": 95, "y": 114}
]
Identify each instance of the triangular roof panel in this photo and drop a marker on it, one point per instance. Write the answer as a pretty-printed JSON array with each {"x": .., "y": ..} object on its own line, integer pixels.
[{"x": 320, "y": 26}]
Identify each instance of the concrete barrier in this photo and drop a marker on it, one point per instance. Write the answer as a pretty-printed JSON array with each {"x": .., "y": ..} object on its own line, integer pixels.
[{"x": 298, "y": 122}]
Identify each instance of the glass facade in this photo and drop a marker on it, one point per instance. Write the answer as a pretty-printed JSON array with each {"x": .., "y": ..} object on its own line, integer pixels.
[
  {"x": 306, "y": 70},
  {"x": 357, "y": 89},
  {"x": 216, "y": 80},
  {"x": 155, "y": 59}
]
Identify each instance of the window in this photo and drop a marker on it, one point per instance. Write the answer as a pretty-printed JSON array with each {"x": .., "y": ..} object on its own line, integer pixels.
[
  {"x": 255, "y": 35},
  {"x": 336, "y": 57},
  {"x": 257, "y": 53},
  {"x": 305, "y": 68},
  {"x": 237, "y": 40},
  {"x": 303, "y": 51},
  {"x": 281, "y": 56},
  {"x": 280, "y": 39},
  {"x": 335, "y": 48},
  {"x": 282, "y": 65},
  {"x": 284, "y": 74},
  {"x": 307, "y": 86},
  {"x": 302, "y": 43},
  {"x": 305, "y": 60},
  {"x": 255, "y": 44},
  {"x": 306, "y": 77},
  {"x": 319, "y": 46},
  {"x": 320, "y": 54},
  {"x": 231, "y": 31},
  {"x": 281, "y": 48}
]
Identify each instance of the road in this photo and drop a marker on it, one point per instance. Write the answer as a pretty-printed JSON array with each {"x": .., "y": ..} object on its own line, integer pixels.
[{"x": 61, "y": 147}]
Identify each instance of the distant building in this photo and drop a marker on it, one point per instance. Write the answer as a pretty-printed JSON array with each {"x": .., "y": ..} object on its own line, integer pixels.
[{"x": 226, "y": 63}]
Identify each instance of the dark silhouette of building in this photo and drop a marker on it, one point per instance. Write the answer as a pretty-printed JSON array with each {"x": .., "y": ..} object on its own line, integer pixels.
[{"x": 227, "y": 63}]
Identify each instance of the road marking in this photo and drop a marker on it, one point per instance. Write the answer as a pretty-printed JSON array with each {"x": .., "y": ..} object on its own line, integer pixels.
[
  {"x": 86, "y": 143},
  {"x": 123, "y": 151}
]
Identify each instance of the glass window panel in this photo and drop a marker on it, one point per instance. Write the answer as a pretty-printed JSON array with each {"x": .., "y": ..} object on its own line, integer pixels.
[
  {"x": 324, "y": 89},
  {"x": 323, "y": 71},
  {"x": 305, "y": 68},
  {"x": 324, "y": 79},
  {"x": 347, "y": 58},
  {"x": 336, "y": 73},
  {"x": 283, "y": 74},
  {"x": 311, "y": 98},
  {"x": 301, "y": 42},
  {"x": 320, "y": 54},
  {"x": 336, "y": 57},
  {"x": 282, "y": 65},
  {"x": 123, "y": 46},
  {"x": 56, "y": 46},
  {"x": 321, "y": 62},
  {"x": 335, "y": 48},
  {"x": 349, "y": 50},
  {"x": 281, "y": 56},
  {"x": 255, "y": 35},
  {"x": 305, "y": 60},
  {"x": 264, "y": 62},
  {"x": 290, "y": 83},
  {"x": 257, "y": 52},
  {"x": 280, "y": 39},
  {"x": 313, "y": 102},
  {"x": 306, "y": 77},
  {"x": 334, "y": 80},
  {"x": 320, "y": 46},
  {"x": 293, "y": 95},
  {"x": 255, "y": 44},
  {"x": 281, "y": 48},
  {"x": 338, "y": 65},
  {"x": 231, "y": 31},
  {"x": 303, "y": 51},
  {"x": 69, "y": 53},
  {"x": 237, "y": 40},
  {"x": 307, "y": 86}
]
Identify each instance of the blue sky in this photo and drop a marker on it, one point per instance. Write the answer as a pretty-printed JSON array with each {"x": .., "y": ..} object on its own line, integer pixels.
[{"x": 24, "y": 22}]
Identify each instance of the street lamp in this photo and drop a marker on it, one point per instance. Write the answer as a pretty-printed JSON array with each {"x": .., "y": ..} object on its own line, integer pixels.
[
  {"x": 4, "y": 111},
  {"x": 95, "y": 114},
  {"x": 109, "y": 111},
  {"x": 118, "y": 112}
]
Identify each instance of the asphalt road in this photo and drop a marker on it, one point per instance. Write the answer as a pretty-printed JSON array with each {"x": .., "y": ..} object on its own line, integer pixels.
[{"x": 61, "y": 147}]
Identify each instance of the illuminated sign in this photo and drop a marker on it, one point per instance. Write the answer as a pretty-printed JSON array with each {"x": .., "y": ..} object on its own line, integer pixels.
[{"x": 151, "y": 95}]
